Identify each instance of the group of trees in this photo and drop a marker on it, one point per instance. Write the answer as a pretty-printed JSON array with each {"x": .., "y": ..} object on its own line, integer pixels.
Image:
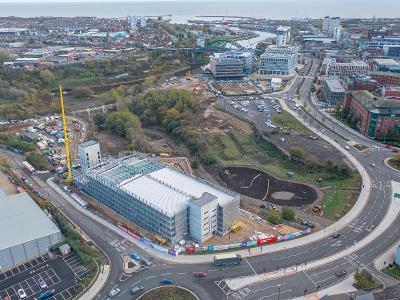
[
  {"x": 276, "y": 217},
  {"x": 175, "y": 111}
]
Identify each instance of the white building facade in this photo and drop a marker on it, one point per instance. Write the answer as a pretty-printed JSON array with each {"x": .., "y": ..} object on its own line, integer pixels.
[
  {"x": 282, "y": 36},
  {"x": 89, "y": 154},
  {"x": 279, "y": 61}
]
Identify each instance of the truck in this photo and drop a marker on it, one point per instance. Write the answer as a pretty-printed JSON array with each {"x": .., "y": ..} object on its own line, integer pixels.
[
  {"x": 28, "y": 168},
  {"x": 227, "y": 259}
]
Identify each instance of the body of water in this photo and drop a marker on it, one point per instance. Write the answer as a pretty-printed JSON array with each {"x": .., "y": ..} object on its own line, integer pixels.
[{"x": 181, "y": 11}]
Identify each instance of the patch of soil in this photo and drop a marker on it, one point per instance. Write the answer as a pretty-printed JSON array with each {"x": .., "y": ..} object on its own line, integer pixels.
[
  {"x": 260, "y": 185},
  {"x": 111, "y": 144}
]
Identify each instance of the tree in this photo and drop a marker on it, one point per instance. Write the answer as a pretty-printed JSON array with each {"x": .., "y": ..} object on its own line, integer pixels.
[
  {"x": 288, "y": 214},
  {"x": 297, "y": 153},
  {"x": 99, "y": 119},
  {"x": 81, "y": 92},
  {"x": 4, "y": 56},
  {"x": 274, "y": 218},
  {"x": 46, "y": 76}
]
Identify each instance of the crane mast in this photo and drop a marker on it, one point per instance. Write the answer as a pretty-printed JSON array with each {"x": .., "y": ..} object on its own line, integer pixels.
[{"x": 66, "y": 138}]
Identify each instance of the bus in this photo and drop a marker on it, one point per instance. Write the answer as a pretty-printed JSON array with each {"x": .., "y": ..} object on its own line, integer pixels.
[
  {"x": 28, "y": 168},
  {"x": 79, "y": 200},
  {"x": 227, "y": 259}
]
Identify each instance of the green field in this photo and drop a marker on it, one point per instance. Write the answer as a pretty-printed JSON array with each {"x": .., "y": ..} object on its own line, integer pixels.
[
  {"x": 230, "y": 149},
  {"x": 286, "y": 120},
  {"x": 168, "y": 293},
  {"x": 394, "y": 271}
]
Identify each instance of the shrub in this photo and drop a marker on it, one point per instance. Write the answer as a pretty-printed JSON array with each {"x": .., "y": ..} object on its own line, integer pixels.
[
  {"x": 288, "y": 214},
  {"x": 274, "y": 218}
]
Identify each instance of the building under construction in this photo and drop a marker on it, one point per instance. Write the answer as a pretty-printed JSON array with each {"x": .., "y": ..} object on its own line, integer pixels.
[{"x": 161, "y": 200}]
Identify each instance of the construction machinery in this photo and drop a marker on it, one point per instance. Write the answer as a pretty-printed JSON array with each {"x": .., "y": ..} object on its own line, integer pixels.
[
  {"x": 69, "y": 178},
  {"x": 160, "y": 239},
  {"x": 235, "y": 227}
]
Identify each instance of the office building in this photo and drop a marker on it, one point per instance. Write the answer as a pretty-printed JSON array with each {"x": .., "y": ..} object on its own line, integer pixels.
[
  {"x": 133, "y": 23},
  {"x": 333, "y": 67},
  {"x": 325, "y": 24},
  {"x": 89, "y": 154},
  {"x": 391, "y": 50},
  {"x": 329, "y": 25},
  {"x": 25, "y": 230},
  {"x": 377, "y": 116},
  {"x": 223, "y": 67},
  {"x": 380, "y": 42},
  {"x": 333, "y": 90},
  {"x": 282, "y": 36},
  {"x": 246, "y": 56},
  {"x": 279, "y": 61},
  {"x": 143, "y": 22},
  {"x": 162, "y": 200},
  {"x": 385, "y": 65}
]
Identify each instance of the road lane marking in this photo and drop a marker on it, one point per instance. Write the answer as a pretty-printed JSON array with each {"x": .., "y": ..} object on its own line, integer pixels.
[
  {"x": 274, "y": 294},
  {"x": 250, "y": 266}
]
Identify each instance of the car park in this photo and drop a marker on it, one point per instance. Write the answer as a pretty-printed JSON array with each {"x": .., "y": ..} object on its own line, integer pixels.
[
  {"x": 137, "y": 289},
  {"x": 42, "y": 284},
  {"x": 21, "y": 294},
  {"x": 166, "y": 281},
  {"x": 114, "y": 292},
  {"x": 46, "y": 294}
]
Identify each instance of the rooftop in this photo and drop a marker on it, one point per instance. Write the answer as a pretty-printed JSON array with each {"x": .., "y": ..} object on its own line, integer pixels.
[
  {"x": 334, "y": 85},
  {"x": 88, "y": 143},
  {"x": 160, "y": 187},
  {"x": 386, "y": 62},
  {"x": 22, "y": 220},
  {"x": 377, "y": 104}
]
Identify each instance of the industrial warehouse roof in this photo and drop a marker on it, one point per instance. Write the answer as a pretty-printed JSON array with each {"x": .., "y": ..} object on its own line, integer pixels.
[
  {"x": 162, "y": 188},
  {"x": 22, "y": 220},
  {"x": 88, "y": 143},
  {"x": 162, "y": 197}
]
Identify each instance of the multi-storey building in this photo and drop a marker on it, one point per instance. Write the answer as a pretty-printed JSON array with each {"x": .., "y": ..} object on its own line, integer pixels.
[
  {"x": 279, "y": 60},
  {"x": 333, "y": 90},
  {"x": 162, "y": 200},
  {"x": 360, "y": 82},
  {"x": 89, "y": 154},
  {"x": 377, "y": 116},
  {"x": 386, "y": 78},
  {"x": 282, "y": 36},
  {"x": 223, "y": 67},
  {"x": 391, "y": 50},
  {"x": 382, "y": 41},
  {"x": 332, "y": 67},
  {"x": 385, "y": 65},
  {"x": 325, "y": 24}
]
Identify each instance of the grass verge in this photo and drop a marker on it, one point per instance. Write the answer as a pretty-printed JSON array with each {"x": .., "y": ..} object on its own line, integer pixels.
[
  {"x": 394, "y": 163},
  {"x": 286, "y": 120},
  {"x": 168, "y": 293}
]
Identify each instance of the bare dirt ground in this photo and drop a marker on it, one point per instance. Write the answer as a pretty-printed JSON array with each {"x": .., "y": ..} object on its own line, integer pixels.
[
  {"x": 286, "y": 229},
  {"x": 236, "y": 88},
  {"x": 158, "y": 144},
  {"x": 216, "y": 122},
  {"x": 111, "y": 144},
  {"x": 247, "y": 229},
  {"x": 260, "y": 185},
  {"x": 6, "y": 185}
]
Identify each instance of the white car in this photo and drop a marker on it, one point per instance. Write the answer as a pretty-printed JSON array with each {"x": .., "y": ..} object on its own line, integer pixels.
[
  {"x": 375, "y": 147},
  {"x": 21, "y": 294},
  {"x": 373, "y": 165},
  {"x": 114, "y": 292}
]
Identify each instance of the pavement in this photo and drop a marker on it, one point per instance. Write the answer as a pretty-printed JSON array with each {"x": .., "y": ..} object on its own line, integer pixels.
[{"x": 98, "y": 284}]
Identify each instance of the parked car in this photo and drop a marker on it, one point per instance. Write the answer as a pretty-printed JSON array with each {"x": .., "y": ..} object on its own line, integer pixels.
[
  {"x": 21, "y": 294},
  {"x": 373, "y": 165},
  {"x": 335, "y": 235},
  {"x": 136, "y": 289},
  {"x": 42, "y": 284},
  {"x": 46, "y": 294},
  {"x": 136, "y": 256},
  {"x": 166, "y": 281},
  {"x": 114, "y": 292},
  {"x": 199, "y": 274},
  {"x": 340, "y": 273}
]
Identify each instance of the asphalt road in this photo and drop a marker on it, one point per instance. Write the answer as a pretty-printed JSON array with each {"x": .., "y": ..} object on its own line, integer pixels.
[{"x": 289, "y": 286}]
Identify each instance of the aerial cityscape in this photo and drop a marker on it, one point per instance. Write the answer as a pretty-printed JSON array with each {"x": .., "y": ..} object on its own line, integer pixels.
[{"x": 198, "y": 150}]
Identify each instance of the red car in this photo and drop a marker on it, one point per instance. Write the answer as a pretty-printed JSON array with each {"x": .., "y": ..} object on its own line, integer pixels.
[{"x": 199, "y": 274}]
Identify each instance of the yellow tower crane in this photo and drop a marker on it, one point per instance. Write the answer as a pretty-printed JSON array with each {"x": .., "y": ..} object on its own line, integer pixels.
[{"x": 66, "y": 138}]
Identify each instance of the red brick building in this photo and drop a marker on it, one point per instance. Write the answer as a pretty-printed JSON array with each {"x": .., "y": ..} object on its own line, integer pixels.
[
  {"x": 386, "y": 78},
  {"x": 377, "y": 116}
]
